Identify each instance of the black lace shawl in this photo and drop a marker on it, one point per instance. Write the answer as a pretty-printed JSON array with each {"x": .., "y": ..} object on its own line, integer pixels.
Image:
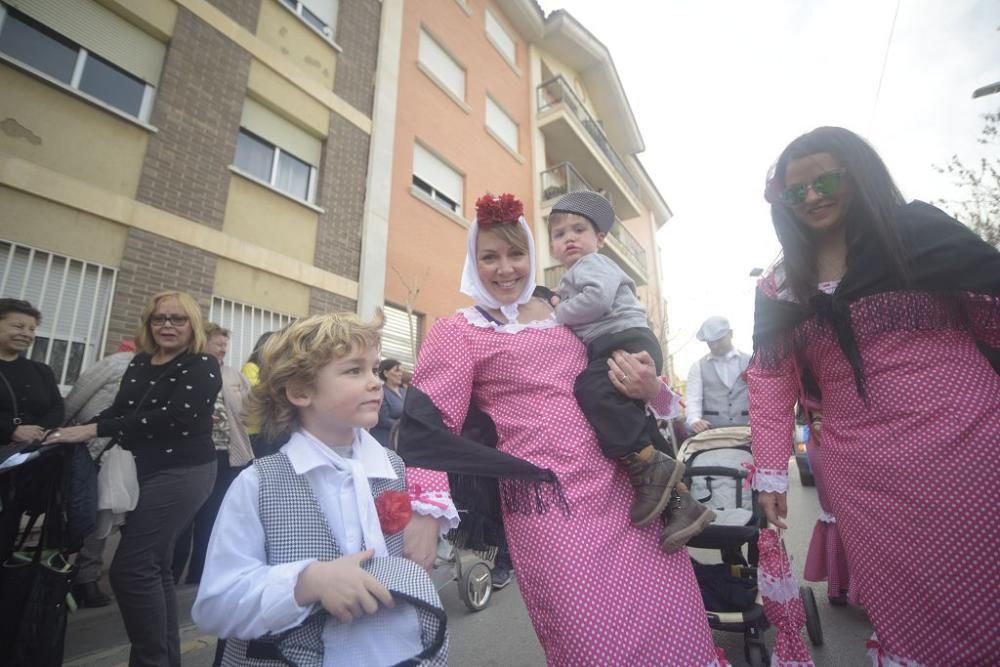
[{"x": 946, "y": 260}]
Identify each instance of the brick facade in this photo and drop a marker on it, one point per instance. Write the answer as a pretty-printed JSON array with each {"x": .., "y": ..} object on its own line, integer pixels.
[
  {"x": 343, "y": 174},
  {"x": 244, "y": 12},
  {"x": 151, "y": 264},
  {"x": 358, "y": 27},
  {"x": 321, "y": 301},
  {"x": 197, "y": 116}
]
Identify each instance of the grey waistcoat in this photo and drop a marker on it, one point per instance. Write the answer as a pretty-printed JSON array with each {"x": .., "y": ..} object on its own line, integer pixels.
[
  {"x": 295, "y": 529},
  {"x": 722, "y": 405}
]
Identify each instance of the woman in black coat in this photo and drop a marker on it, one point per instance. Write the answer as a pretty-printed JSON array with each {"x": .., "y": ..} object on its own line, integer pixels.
[
  {"x": 163, "y": 415},
  {"x": 30, "y": 405}
]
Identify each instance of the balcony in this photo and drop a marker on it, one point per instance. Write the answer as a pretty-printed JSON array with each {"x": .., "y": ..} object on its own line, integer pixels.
[
  {"x": 573, "y": 135},
  {"x": 620, "y": 245}
]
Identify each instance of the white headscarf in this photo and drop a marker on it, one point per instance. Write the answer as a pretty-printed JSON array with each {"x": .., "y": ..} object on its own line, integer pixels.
[{"x": 473, "y": 286}]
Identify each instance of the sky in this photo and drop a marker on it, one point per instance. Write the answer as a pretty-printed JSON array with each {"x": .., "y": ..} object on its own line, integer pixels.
[{"x": 720, "y": 87}]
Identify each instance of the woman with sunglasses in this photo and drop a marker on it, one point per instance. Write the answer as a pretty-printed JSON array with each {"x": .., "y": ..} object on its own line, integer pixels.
[
  {"x": 889, "y": 313},
  {"x": 163, "y": 415}
]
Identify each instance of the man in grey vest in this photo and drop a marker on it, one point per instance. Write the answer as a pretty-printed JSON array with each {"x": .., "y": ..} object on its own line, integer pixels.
[{"x": 716, "y": 388}]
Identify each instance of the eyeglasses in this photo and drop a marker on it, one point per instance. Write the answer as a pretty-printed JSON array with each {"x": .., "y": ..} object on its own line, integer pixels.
[
  {"x": 172, "y": 320},
  {"x": 823, "y": 185}
]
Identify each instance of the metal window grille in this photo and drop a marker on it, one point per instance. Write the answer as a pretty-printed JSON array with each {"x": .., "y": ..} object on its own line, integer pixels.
[
  {"x": 74, "y": 298},
  {"x": 246, "y": 323},
  {"x": 400, "y": 340}
]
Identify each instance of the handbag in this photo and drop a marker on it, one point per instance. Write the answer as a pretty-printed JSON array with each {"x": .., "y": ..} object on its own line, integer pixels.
[
  {"x": 35, "y": 584},
  {"x": 117, "y": 488}
]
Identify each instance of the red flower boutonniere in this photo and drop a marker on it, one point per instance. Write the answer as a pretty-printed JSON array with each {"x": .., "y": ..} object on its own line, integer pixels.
[
  {"x": 492, "y": 210},
  {"x": 394, "y": 511}
]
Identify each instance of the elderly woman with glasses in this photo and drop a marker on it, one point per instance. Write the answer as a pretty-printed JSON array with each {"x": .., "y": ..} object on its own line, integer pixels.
[
  {"x": 163, "y": 415},
  {"x": 887, "y": 315}
]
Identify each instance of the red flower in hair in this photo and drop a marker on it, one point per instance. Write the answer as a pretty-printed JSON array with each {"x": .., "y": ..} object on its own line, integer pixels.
[
  {"x": 491, "y": 210},
  {"x": 394, "y": 511}
]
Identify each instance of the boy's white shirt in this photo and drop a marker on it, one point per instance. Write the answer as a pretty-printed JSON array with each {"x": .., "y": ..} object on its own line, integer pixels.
[{"x": 242, "y": 596}]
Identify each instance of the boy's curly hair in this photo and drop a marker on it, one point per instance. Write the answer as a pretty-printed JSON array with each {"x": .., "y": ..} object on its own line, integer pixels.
[{"x": 295, "y": 356}]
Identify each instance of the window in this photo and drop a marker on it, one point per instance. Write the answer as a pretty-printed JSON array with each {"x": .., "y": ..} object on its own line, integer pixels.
[
  {"x": 437, "y": 180},
  {"x": 277, "y": 152},
  {"x": 401, "y": 335},
  {"x": 500, "y": 38},
  {"x": 320, "y": 14},
  {"x": 440, "y": 65},
  {"x": 245, "y": 323},
  {"x": 75, "y": 44},
  {"x": 501, "y": 124},
  {"x": 74, "y": 297}
]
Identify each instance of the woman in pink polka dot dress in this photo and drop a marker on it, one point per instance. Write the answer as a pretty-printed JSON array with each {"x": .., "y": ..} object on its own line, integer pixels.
[
  {"x": 598, "y": 590},
  {"x": 891, "y": 313}
]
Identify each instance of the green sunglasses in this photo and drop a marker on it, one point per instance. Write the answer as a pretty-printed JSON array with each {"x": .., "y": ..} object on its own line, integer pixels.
[{"x": 823, "y": 185}]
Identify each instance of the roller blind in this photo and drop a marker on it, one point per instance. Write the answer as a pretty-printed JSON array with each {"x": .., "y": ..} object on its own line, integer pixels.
[
  {"x": 501, "y": 38},
  {"x": 442, "y": 178},
  {"x": 99, "y": 30},
  {"x": 326, "y": 10},
  {"x": 444, "y": 67},
  {"x": 285, "y": 135},
  {"x": 396, "y": 335},
  {"x": 498, "y": 121}
]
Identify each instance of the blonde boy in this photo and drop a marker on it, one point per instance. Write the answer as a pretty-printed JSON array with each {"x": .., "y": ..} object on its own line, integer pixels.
[{"x": 304, "y": 566}]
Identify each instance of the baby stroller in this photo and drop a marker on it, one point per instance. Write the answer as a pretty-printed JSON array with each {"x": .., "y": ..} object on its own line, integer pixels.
[
  {"x": 715, "y": 473},
  {"x": 471, "y": 569}
]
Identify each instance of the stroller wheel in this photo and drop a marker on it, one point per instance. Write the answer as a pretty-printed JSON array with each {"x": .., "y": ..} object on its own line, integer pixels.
[
  {"x": 814, "y": 626},
  {"x": 475, "y": 586}
]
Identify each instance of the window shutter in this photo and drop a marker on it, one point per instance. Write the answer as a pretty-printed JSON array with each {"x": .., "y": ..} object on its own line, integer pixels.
[
  {"x": 245, "y": 323},
  {"x": 396, "y": 336},
  {"x": 428, "y": 167},
  {"x": 102, "y": 31},
  {"x": 498, "y": 121},
  {"x": 326, "y": 10},
  {"x": 444, "y": 67},
  {"x": 288, "y": 137},
  {"x": 501, "y": 38}
]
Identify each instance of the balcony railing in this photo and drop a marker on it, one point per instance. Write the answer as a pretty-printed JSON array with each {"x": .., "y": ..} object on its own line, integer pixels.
[
  {"x": 556, "y": 91},
  {"x": 632, "y": 247},
  {"x": 564, "y": 178}
]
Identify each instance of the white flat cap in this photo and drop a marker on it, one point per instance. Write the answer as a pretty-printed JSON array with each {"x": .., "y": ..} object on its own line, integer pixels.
[{"x": 713, "y": 329}]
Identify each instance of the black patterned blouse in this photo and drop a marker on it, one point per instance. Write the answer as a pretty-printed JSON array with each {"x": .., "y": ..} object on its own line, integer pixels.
[{"x": 163, "y": 414}]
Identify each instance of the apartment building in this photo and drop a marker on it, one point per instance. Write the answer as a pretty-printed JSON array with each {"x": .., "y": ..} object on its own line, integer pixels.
[
  {"x": 463, "y": 127},
  {"x": 494, "y": 96},
  {"x": 219, "y": 147}
]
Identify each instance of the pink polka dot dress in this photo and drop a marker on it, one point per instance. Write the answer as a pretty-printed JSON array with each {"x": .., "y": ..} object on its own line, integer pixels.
[
  {"x": 598, "y": 590},
  {"x": 913, "y": 478}
]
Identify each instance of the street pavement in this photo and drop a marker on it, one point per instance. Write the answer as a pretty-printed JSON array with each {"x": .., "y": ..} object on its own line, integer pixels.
[{"x": 500, "y": 635}]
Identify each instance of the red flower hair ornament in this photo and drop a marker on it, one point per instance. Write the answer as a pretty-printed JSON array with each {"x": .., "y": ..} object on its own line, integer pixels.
[
  {"x": 394, "y": 511},
  {"x": 494, "y": 210}
]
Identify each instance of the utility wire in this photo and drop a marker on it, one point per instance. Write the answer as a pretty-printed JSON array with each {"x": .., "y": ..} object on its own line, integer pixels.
[{"x": 885, "y": 60}]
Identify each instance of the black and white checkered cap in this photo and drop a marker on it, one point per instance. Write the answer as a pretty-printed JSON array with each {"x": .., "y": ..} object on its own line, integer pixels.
[{"x": 590, "y": 205}]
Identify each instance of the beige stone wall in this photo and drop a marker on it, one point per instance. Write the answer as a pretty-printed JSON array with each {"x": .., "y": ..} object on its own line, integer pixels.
[
  {"x": 27, "y": 219},
  {"x": 268, "y": 219},
  {"x": 46, "y": 125}
]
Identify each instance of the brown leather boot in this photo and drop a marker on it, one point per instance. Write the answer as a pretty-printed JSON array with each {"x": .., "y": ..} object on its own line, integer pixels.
[
  {"x": 686, "y": 517},
  {"x": 652, "y": 481}
]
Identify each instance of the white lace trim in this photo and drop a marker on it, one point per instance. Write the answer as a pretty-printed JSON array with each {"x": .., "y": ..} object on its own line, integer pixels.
[
  {"x": 775, "y": 481},
  {"x": 429, "y": 504},
  {"x": 826, "y": 517},
  {"x": 776, "y": 662},
  {"x": 881, "y": 659},
  {"x": 778, "y": 589},
  {"x": 476, "y": 319}
]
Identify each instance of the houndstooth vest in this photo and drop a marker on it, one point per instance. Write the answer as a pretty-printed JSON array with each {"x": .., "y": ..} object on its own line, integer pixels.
[{"x": 295, "y": 529}]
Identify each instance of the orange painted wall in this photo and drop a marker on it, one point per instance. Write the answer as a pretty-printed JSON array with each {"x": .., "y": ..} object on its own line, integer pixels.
[{"x": 421, "y": 239}]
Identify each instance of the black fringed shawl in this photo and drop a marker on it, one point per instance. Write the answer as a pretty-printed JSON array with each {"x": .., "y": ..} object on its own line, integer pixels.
[
  {"x": 483, "y": 479},
  {"x": 946, "y": 259}
]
